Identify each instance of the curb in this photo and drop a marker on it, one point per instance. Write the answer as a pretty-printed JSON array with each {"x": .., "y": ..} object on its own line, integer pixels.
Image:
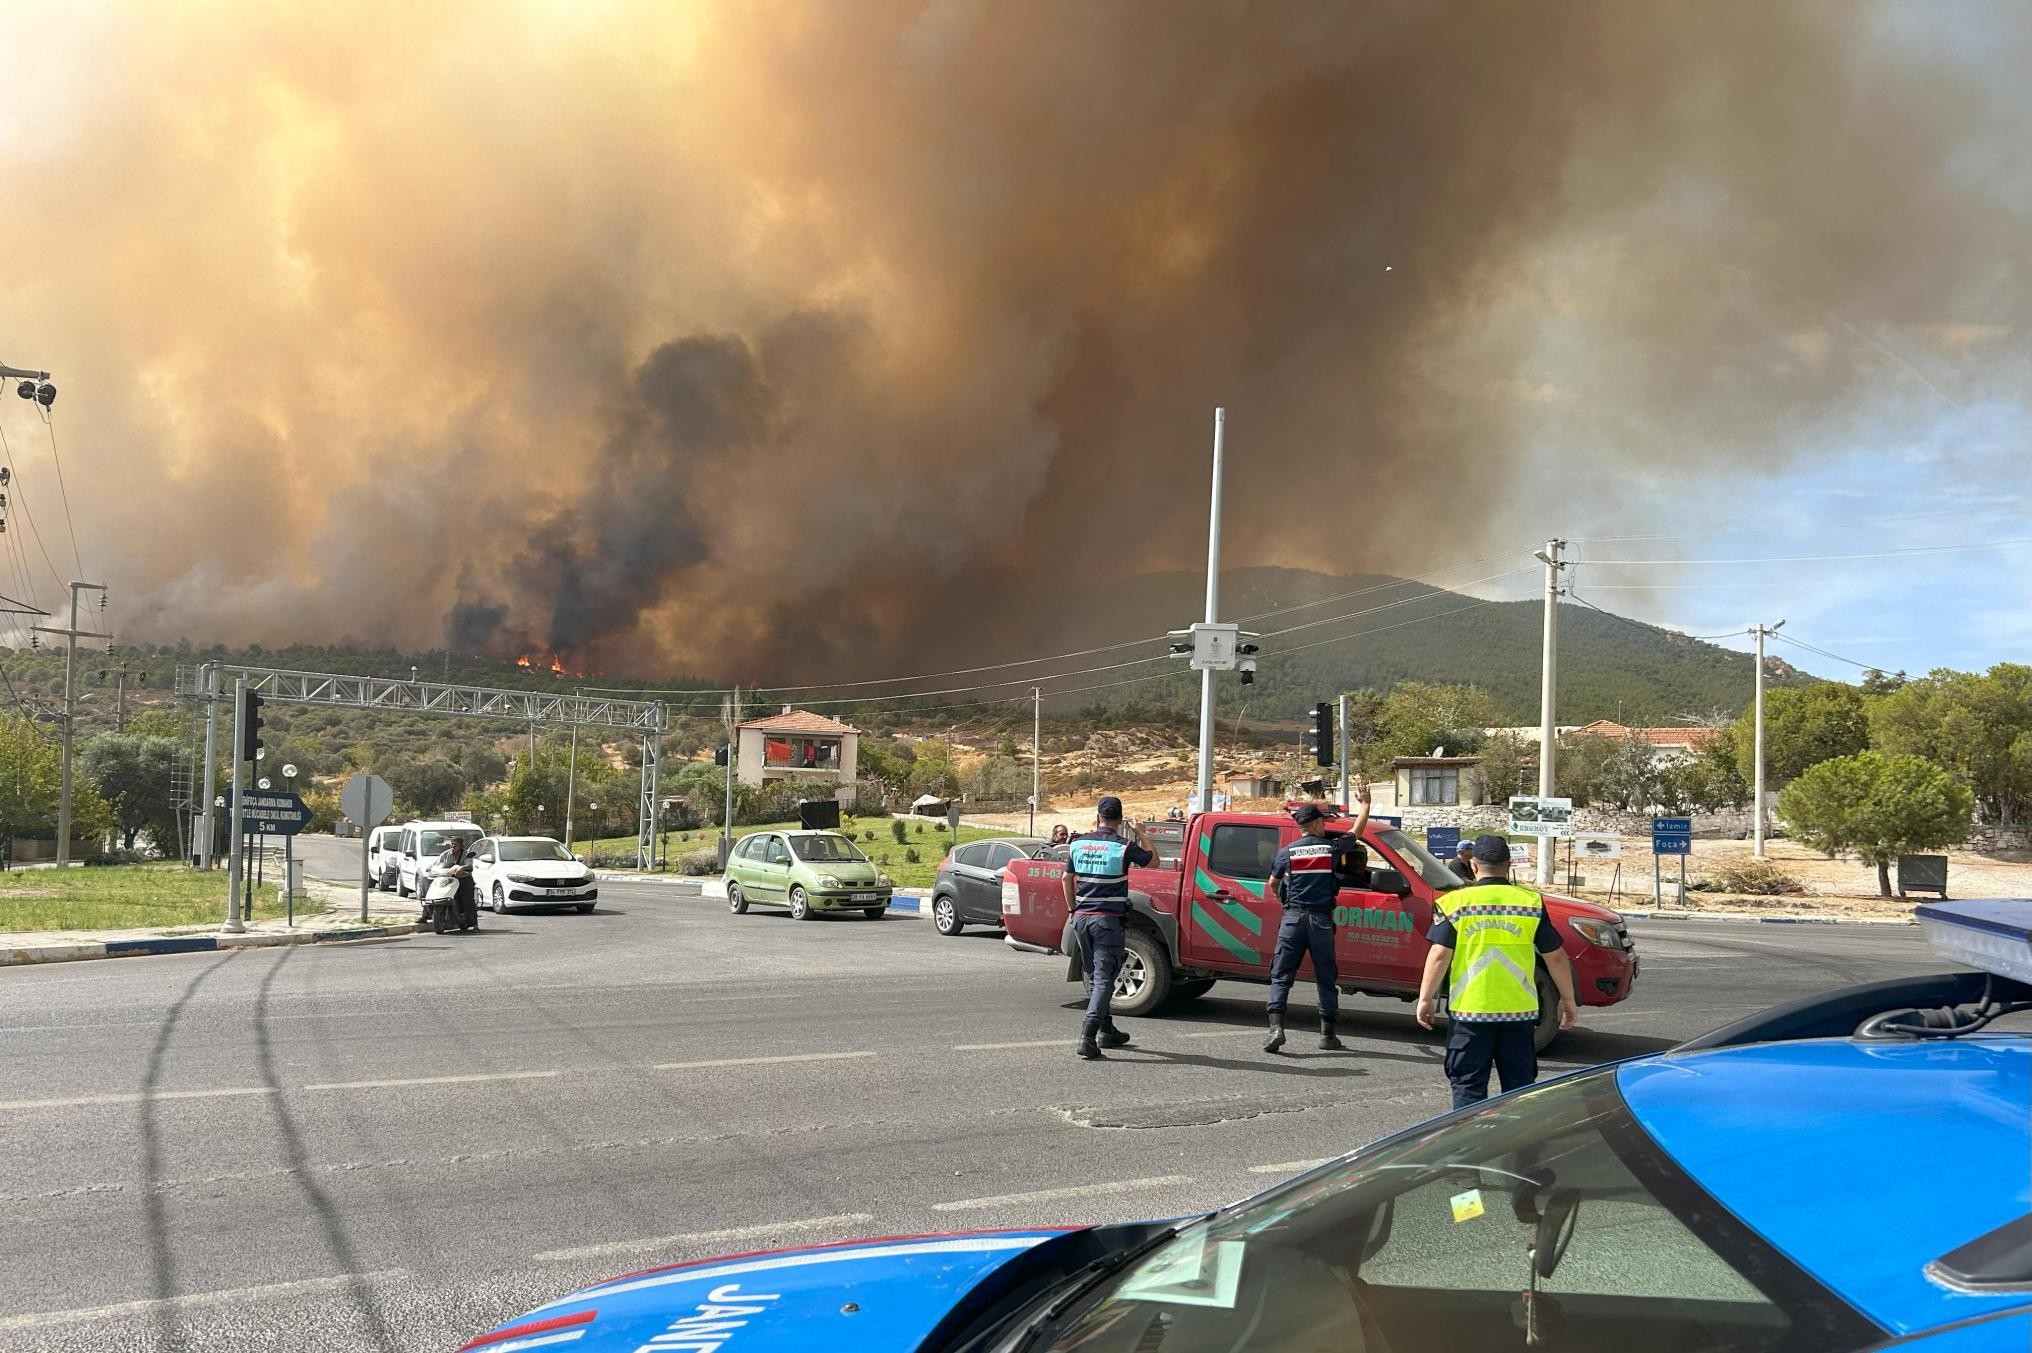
[
  {"x": 1747, "y": 918},
  {"x": 668, "y": 880},
  {"x": 191, "y": 944}
]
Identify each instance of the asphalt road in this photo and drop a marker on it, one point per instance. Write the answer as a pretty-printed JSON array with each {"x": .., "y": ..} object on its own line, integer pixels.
[{"x": 395, "y": 1144}]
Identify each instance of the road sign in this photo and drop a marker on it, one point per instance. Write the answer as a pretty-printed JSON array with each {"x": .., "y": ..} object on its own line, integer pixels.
[
  {"x": 272, "y": 812},
  {"x": 1672, "y": 836},
  {"x": 1442, "y": 841},
  {"x": 1386, "y": 821},
  {"x": 1531, "y": 815},
  {"x": 462, "y": 815},
  {"x": 367, "y": 800}
]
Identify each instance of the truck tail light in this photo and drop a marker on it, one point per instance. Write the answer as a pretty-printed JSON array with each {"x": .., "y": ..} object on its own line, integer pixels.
[{"x": 1012, "y": 897}]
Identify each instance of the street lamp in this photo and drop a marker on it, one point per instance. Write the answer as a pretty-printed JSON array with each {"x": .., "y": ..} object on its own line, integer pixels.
[{"x": 289, "y": 848}]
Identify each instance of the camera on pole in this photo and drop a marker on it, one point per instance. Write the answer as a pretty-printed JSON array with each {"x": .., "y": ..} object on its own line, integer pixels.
[
  {"x": 720, "y": 755},
  {"x": 250, "y": 728},
  {"x": 1320, "y": 741}
]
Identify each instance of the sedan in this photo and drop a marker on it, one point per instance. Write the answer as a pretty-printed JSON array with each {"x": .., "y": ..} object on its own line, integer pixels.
[
  {"x": 530, "y": 871},
  {"x": 968, "y": 889}
]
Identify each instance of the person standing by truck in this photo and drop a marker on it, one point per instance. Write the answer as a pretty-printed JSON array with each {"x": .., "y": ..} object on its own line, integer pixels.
[
  {"x": 1096, "y": 887},
  {"x": 1305, "y": 878},
  {"x": 1487, "y": 943}
]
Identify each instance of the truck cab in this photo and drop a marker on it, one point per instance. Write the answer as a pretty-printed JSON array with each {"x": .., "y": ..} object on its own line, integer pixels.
[{"x": 1212, "y": 918}]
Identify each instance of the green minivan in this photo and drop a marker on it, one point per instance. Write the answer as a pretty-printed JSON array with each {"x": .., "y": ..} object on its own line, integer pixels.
[{"x": 808, "y": 872}]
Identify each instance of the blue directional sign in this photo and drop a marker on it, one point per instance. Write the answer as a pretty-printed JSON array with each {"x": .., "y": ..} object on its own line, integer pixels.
[
  {"x": 1386, "y": 821},
  {"x": 1442, "y": 841},
  {"x": 1672, "y": 836},
  {"x": 271, "y": 812}
]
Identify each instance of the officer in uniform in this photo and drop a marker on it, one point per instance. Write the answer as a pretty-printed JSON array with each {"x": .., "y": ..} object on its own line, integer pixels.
[
  {"x": 1097, "y": 898},
  {"x": 1305, "y": 877},
  {"x": 1487, "y": 943}
]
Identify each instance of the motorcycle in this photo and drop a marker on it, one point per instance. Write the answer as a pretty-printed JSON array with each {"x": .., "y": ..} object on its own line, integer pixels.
[{"x": 441, "y": 909}]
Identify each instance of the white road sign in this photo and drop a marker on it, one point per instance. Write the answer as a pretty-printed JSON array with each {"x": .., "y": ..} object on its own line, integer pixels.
[{"x": 367, "y": 800}]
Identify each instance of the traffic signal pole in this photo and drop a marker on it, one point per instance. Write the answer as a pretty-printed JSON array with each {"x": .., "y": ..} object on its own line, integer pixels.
[
  {"x": 1347, "y": 792},
  {"x": 236, "y": 840},
  {"x": 1205, "y": 778}
]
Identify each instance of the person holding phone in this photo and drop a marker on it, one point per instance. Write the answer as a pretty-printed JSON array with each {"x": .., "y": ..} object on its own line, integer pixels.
[{"x": 1097, "y": 898}]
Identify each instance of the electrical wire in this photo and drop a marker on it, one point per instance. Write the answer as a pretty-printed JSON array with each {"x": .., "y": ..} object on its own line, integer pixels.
[
  {"x": 1820, "y": 558},
  {"x": 21, "y": 498},
  {"x": 1639, "y": 624},
  {"x": 1811, "y": 648},
  {"x": 1389, "y": 605},
  {"x": 49, "y": 425},
  {"x": 1380, "y": 587}
]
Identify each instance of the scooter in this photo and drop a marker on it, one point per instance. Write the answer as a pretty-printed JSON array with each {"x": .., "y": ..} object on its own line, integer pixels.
[{"x": 441, "y": 910}]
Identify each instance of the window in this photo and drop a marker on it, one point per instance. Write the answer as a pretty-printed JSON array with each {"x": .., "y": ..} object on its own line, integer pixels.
[
  {"x": 750, "y": 847},
  {"x": 1435, "y": 785},
  {"x": 539, "y": 849},
  {"x": 827, "y": 849},
  {"x": 778, "y": 852},
  {"x": 1243, "y": 852},
  {"x": 484, "y": 852},
  {"x": 998, "y": 854},
  {"x": 969, "y": 855}
]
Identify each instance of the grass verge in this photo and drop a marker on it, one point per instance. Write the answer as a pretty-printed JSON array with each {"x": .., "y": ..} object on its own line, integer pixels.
[
  {"x": 119, "y": 898},
  {"x": 892, "y": 857}
]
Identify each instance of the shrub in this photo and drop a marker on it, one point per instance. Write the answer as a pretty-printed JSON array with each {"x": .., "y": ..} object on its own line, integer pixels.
[
  {"x": 920, "y": 829},
  {"x": 911, "y": 856},
  {"x": 898, "y": 830},
  {"x": 696, "y": 862},
  {"x": 1750, "y": 876}
]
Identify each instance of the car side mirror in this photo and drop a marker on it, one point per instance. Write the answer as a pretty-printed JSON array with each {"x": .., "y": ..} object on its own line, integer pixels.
[
  {"x": 1389, "y": 881},
  {"x": 1555, "y": 1230}
]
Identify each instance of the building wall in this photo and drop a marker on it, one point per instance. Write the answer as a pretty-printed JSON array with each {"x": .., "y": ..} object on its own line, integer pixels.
[{"x": 750, "y": 769}]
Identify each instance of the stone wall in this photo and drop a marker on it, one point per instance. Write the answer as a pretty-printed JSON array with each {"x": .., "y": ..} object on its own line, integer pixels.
[
  {"x": 1994, "y": 838},
  {"x": 1733, "y": 825}
]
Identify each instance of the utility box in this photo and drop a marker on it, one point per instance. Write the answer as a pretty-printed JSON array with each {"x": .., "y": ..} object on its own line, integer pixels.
[
  {"x": 1922, "y": 874},
  {"x": 296, "y": 878}
]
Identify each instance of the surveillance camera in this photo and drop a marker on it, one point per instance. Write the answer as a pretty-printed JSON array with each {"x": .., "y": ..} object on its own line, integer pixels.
[
  {"x": 45, "y": 394},
  {"x": 26, "y": 389},
  {"x": 1248, "y": 669}
]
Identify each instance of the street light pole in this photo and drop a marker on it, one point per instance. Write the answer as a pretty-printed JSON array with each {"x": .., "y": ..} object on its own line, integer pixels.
[
  {"x": 571, "y": 775},
  {"x": 1757, "y": 829},
  {"x": 1205, "y": 778},
  {"x": 1036, "y": 745},
  {"x": 70, "y": 637}
]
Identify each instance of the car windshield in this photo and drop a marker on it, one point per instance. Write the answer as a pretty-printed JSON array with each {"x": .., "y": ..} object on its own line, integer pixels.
[
  {"x": 1435, "y": 872},
  {"x": 434, "y": 843},
  {"x": 826, "y": 849},
  {"x": 534, "y": 850},
  {"x": 1547, "y": 1218}
]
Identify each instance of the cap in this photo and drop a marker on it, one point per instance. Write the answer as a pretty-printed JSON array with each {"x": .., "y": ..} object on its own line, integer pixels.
[
  {"x": 1110, "y": 808},
  {"x": 1492, "y": 850},
  {"x": 1466, "y": 846},
  {"x": 1307, "y": 812}
]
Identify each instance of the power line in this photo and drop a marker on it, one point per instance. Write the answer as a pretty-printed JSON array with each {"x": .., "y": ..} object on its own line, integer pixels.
[
  {"x": 21, "y": 497},
  {"x": 1639, "y": 624},
  {"x": 1388, "y": 605},
  {"x": 1821, "y": 558},
  {"x": 49, "y": 425},
  {"x": 1801, "y": 643},
  {"x": 1380, "y": 587}
]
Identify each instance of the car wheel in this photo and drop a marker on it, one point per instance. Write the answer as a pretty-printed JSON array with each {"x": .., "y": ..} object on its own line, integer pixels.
[
  {"x": 585, "y": 909},
  {"x": 735, "y": 902},
  {"x": 1193, "y": 990},
  {"x": 945, "y": 915},
  {"x": 800, "y": 905},
  {"x": 876, "y": 913},
  {"x": 1144, "y": 983},
  {"x": 500, "y": 901},
  {"x": 1547, "y": 1030}
]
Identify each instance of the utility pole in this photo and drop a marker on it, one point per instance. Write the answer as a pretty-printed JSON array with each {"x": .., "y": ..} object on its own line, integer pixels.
[
  {"x": 70, "y": 637},
  {"x": 120, "y": 714},
  {"x": 1548, "y": 683},
  {"x": 571, "y": 775},
  {"x": 1205, "y": 779},
  {"x": 1346, "y": 788},
  {"x": 236, "y": 866},
  {"x": 733, "y": 745},
  {"x": 1036, "y": 745},
  {"x": 1757, "y": 829}
]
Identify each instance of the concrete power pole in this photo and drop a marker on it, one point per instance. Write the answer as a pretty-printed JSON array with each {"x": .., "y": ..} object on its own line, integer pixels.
[
  {"x": 1548, "y": 684},
  {"x": 733, "y": 745},
  {"x": 70, "y": 637},
  {"x": 571, "y": 773},
  {"x": 1036, "y": 747},
  {"x": 1346, "y": 789},
  {"x": 1757, "y": 792}
]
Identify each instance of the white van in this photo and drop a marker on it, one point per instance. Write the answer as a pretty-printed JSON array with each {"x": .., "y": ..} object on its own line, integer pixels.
[
  {"x": 383, "y": 846},
  {"x": 421, "y": 844}
]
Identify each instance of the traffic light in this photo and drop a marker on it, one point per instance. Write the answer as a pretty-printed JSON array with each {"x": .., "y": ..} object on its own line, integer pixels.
[
  {"x": 720, "y": 755},
  {"x": 250, "y": 727},
  {"x": 1320, "y": 741}
]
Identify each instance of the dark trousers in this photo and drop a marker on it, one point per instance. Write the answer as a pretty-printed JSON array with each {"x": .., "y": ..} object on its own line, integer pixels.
[
  {"x": 1305, "y": 932},
  {"x": 1473, "y": 1046},
  {"x": 1100, "y": 942}
]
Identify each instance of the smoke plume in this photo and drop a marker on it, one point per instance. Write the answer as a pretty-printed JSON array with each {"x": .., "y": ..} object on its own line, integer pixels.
[{"x": 782, "y": 340}]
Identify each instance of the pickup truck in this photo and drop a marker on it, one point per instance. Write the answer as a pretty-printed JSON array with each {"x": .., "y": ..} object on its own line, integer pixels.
[{"x": 1208, "y": 919}]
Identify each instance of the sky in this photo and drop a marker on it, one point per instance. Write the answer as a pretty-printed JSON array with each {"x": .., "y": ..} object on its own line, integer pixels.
[{"x": 740, "y": 340}]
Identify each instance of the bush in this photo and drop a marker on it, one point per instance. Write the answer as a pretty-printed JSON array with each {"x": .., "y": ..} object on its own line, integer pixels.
[
  {"x": 695, "y": 863},
  {"x": 911, "y": 856},
  {"x": 898, "y": 830},
  {"x": 1750, "y": 876},
  {"x": 920, "y": 829}
]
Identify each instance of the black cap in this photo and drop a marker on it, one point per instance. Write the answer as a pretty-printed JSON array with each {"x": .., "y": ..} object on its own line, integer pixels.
[
  {"x": 1491, "y": 849},
  {"x": 1110, "y": 808},
  {"x": 1307, "y": 812}
]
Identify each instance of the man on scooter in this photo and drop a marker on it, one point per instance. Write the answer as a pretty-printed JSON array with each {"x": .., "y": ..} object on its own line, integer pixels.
[{"x": 452, "y": 864}]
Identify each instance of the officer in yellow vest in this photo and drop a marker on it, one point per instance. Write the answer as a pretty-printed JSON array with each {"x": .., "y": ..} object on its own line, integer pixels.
[{"x": 1487, "y": 944}]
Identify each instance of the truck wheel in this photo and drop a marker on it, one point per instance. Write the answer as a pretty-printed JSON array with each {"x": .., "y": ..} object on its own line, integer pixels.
[
  {"x": 1144, "y": 983},
  {"x": 1548, "y": 1014},
  {"x": 1191, "y": 991}
]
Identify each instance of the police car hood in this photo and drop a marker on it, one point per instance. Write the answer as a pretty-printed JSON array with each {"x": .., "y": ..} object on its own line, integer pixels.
[{"x": 860, "y": 1295}]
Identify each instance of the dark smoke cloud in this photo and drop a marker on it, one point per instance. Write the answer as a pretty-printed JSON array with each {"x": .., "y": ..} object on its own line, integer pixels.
[{"x": 771, "y": 340}]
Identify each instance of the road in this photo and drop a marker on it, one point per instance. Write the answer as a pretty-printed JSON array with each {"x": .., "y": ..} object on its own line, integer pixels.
[{"x": 395, "y": 1144}]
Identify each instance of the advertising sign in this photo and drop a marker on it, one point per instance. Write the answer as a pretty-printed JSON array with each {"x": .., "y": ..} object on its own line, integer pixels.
[{"x": 1534, "y": 816}]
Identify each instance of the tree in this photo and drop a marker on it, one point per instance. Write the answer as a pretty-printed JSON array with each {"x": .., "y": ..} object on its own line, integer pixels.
[
  {"x": 1581, "y": 758},
  {"x": 133, "y": 773},
  {"x": 996, "y": 777},
  {"x": 1704, "y": 784},
  {"x": 30, "y": 784},
  {"x": 1978, "y": 727},
  {"x": 1420, "y": 715},
  {"x": 932, "y": 771},
  {"x": 1803, "y": 727},
  {"x": 1628, "y": 777},
  {"x": 426, "y": 787},
  {"x": 1509, "y": 766},
  {"x": 1878, "y": 807}
]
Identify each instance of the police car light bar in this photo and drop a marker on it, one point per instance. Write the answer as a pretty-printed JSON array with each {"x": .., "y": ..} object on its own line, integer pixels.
[{"x": 1994, "y": 936}]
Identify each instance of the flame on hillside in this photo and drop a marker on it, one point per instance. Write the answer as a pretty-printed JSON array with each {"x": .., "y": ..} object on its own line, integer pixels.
[{"x": 554, "y": 664}]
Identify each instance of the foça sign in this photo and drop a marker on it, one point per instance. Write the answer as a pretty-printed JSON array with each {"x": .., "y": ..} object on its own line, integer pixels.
[{"x": 271, "y": 812}]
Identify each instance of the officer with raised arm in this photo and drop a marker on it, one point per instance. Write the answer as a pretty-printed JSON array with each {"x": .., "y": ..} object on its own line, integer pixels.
[
  {"x": 1487, "y": 942},
  {"x": 1097, "y": 898},
  {"x": 1305, "y": 877}
]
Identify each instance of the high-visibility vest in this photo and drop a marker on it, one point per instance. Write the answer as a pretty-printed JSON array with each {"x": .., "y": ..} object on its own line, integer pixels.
[{"x": 1495, "y": 956}]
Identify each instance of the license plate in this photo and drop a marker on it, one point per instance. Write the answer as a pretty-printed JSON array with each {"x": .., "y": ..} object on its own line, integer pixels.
[{"x": 866, "y": 897}]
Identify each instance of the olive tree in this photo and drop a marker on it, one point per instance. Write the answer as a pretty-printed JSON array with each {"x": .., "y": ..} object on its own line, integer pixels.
[{"x": 1877, "y": 807}]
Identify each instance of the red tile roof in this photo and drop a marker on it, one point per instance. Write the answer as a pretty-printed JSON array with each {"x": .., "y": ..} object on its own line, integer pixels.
[
  {"x": 799, "y": 721},
  {"x": 1657, "y": 737}
]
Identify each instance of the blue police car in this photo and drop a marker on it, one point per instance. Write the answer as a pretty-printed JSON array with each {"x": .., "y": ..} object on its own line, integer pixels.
[{"x": 1852, "y": 1171}]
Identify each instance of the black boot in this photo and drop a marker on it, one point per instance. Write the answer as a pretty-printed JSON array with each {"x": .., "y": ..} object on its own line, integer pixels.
[
  {"x": 1088, "y": 1047},
  {"x": 1328, "y": 1039},
  {"x": 1276, "y": 1039},
  {"x": 1111, "y": 1037}
]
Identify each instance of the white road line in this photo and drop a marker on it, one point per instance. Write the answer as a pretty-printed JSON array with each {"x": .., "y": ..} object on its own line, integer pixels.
[
  {"x": 774, "y": 1228},
  {"x": 1288, "y": 1167},
  {"x": 435, "y": 1080},
  {"x": 761, "y": 1061},
  {"x": 135, "y": 1097},
  {"x": 1078, "y": 1191},
  {"x": 247, "y": 1295},
  {"x": 1234, "y": 1033},
  {"x": 998, "y": 1047}
]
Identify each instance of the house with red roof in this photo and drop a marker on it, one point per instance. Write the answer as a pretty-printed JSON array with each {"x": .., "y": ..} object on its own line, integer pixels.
[
  {"x": 1671, "y": 744},
  {"x": 796, "y": 745}
]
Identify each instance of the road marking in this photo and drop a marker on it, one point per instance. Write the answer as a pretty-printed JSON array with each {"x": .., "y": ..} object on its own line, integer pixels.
[
  {"x": 1162, "y": 1181},
  {"x": 761, "y": 1061},
  {"x": 1288, "y": 1167},
  {"x": 134, "y": 1097},
  {"x": 997, "y": 1047},
  {"x": 774, "y": 1228},
  {"x": 1234, "y": 1033},
  {"x": 43, "y": 1319},
  {"x": 435, "y": 1080}
]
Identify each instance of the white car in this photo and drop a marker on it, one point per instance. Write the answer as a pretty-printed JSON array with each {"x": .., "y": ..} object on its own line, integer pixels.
[
  {"x": 530, "y": 871},
  {"x": 384, "y": 847},
  {"x": 422, "y": 843}
]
